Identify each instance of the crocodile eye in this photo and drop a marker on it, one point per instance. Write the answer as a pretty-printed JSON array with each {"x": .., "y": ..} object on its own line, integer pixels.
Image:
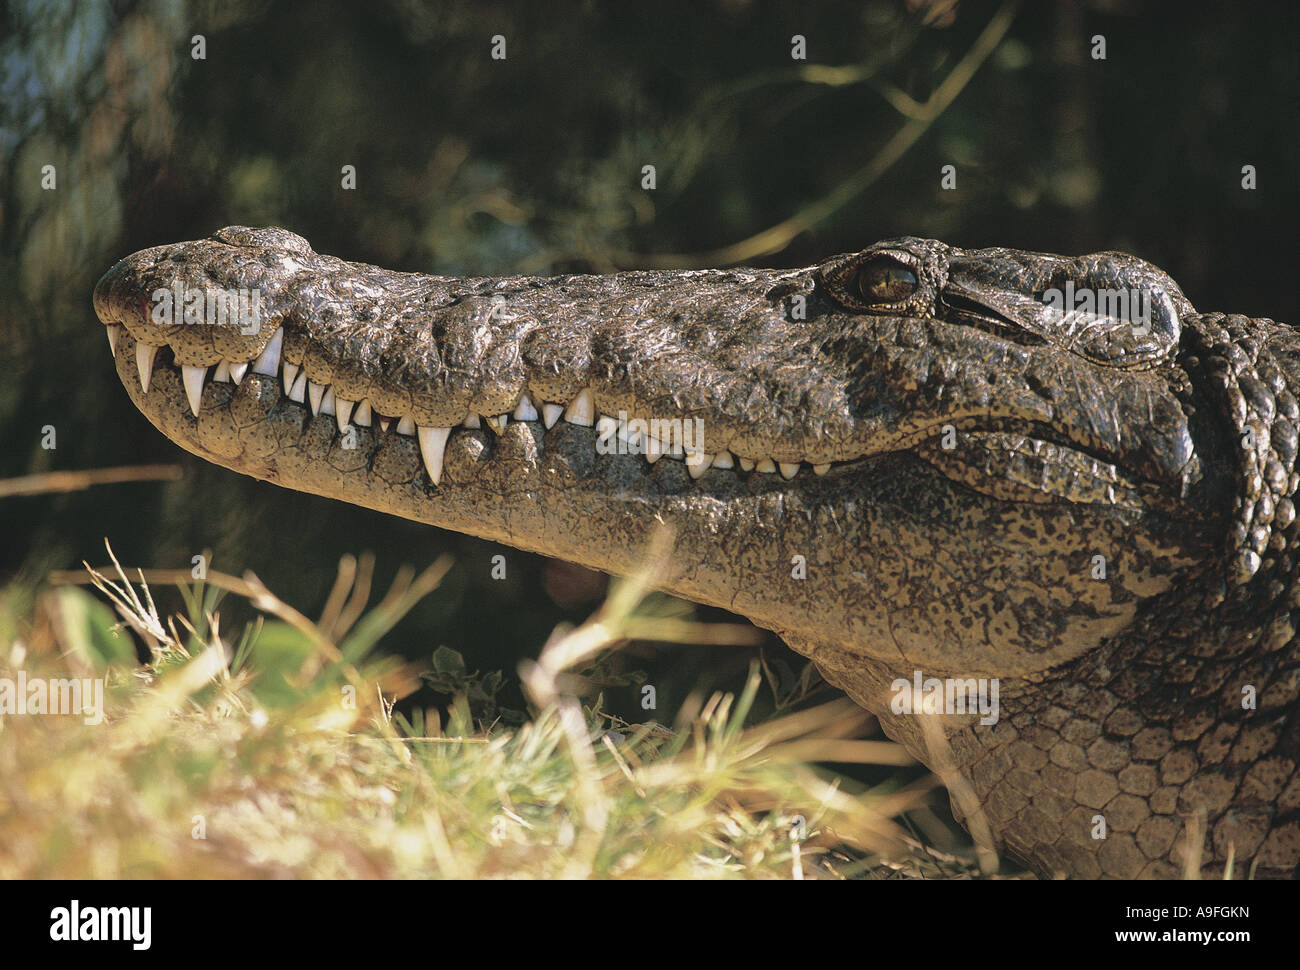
[{"x": 886, "y": 281}]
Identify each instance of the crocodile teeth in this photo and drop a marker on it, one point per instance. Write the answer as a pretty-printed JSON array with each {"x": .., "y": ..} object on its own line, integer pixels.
[
  {"x": 222, "y": 373},
  {"x": 290, "y": 375},
  {"x": 237, "y": 371},
  {"x": 723, "y": 459},
  {"x": 406, "y": 426},
  {"x": 821, "y": 469},
  {"x": 582, "y": 410},
  {"x": 524, "y": 410},
  {"x": 697, "y": 463},
  {"x": 384, "y": 423},
  {"x": 314, "y": 394},
  {"x": 789, "y": 469},
  {"x": 552, "y": 413},
  {"x": 498, "y": 422},
  {"x": 299, "y": 390},
  {"x": 193, "y": 378},
  {"x": 362, "y": 414},
  {"x": 327, "y": 402},
  {"x": 745, "y": 464},
  {"x": 766, "y": 465},
  {"x": 344, "y": 412},
  {"x": 268, "y": 361},
  {"x": 144, "y": 355},
  {"x": 654, "y": 449},
  {"x": 472, "y": 421},
  {"x": 433, "y": 442},
  {"x": 113, "y": 329}
]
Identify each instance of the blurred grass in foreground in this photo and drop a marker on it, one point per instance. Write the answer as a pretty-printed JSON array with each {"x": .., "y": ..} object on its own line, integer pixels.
[{"x": 278, "y": 753}]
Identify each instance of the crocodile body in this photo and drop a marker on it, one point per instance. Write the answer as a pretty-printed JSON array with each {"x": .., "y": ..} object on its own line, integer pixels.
[{"x": 912, "y": 463}]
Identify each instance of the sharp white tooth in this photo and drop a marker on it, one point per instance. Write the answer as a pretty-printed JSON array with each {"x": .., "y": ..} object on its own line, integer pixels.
[
  {"x": 789, "y": 469},
  {"x": 237, "y": 371},
  {"x": 344, "y": 412},
  {"x": 582, "y": 410},
  {"x": 193, "y": 378},
  {"x": 406, "y": 426},
  {"x": 524, "y": 410},
  {"x": 384, "y": 423},
  {"x": 314, "y": 394},
  {"x": 144, "y": 355},
  {"x": 268, "y": 361},
  {"x": 113, "y": 329},
  {"x": 327, "y": 402},
  {"x": 821, "y": 469},
  {"x": 299, "y": 390},
  {"x": 552, "y": 413},
  {"x": 433, "y": 442},
  {"x": 290, "y": 375},
  {"x": 498, "y": 422},
  {"x": 653, "y": 449},
  {"x": 766, "y": 465},
  {"x": 222, "y": 373},
  {"x": 362, "y": 416},
  {"x": 745, "y": 464},
  {"x": 723, "y": 459},
  {"x": 472, "y": 421},
  {"x": 697, "y": 463}
]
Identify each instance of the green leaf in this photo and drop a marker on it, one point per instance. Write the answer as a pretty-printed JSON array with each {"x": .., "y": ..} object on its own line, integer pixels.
[
  {"x": 277, "y": 654},
  {"x": 87, "y": 626},
  {"x": 448, "y": 661}
]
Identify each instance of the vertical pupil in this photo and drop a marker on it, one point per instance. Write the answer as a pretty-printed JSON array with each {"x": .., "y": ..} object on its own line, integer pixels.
[{"x": 887, "y": 282}]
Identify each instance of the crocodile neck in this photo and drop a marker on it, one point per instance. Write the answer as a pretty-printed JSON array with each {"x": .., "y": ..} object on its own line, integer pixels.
[{"x": 904, "y": 461}]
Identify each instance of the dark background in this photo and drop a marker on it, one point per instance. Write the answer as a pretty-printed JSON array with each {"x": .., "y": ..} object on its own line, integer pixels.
[{"x": 467, "y": 164}]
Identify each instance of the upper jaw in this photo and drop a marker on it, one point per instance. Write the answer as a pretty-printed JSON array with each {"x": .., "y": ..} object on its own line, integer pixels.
[
  {"x": 191, "y": 404},
  {"x": 726, "y": 351},
  {"x": 442, "y": 352}
]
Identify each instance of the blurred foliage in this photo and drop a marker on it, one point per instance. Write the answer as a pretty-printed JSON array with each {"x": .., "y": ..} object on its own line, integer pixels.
[
  {"x": 450, "y": 676},
  {"x": 289, "y": 761},
  {"x": 466, "y": 164}
]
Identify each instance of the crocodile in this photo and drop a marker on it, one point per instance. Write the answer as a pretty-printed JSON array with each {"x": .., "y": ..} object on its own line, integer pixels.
[{"x": 930, "y": 470}]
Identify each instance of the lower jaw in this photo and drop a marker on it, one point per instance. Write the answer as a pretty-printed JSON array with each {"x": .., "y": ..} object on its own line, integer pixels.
[
  {"x": 541, "y": 491},
  {"x": 254, "y": 429},
  {"x": 156, "y": 364}
]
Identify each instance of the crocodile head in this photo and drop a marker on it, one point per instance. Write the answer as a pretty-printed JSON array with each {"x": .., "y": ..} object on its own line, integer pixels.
[
  {"x": 946, "y": 484},
  {"x": 913, "y": 458}
]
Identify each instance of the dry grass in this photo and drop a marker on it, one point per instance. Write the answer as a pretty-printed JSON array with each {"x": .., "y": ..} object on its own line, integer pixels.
[{"x": 278, "y": 753}]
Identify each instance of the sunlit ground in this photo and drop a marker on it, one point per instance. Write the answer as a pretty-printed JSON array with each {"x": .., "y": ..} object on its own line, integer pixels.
[{"x": 277, "y": 753}]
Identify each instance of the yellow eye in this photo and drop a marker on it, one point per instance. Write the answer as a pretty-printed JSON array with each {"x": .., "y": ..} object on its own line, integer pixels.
[{"x": 886, "y": 281}]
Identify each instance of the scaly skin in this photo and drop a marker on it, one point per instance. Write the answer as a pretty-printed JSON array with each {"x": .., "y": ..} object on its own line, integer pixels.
[{"x": 1098, "y": 511}]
